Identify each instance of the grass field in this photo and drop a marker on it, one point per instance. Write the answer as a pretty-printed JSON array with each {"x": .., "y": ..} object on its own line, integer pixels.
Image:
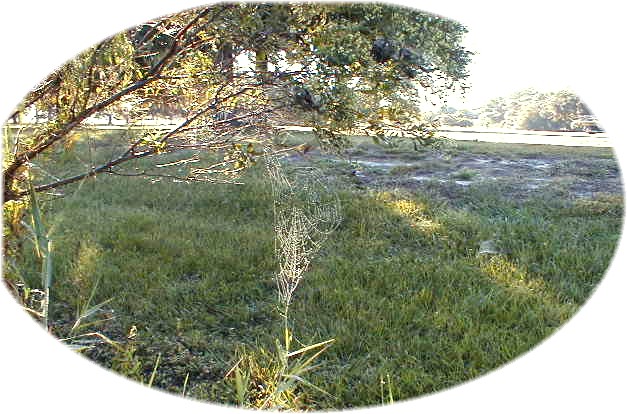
[{"x": 401, "y": 285}]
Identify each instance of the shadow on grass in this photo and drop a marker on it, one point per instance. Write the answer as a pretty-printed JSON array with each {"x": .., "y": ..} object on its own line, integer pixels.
[{"x": 405, "y": 293}]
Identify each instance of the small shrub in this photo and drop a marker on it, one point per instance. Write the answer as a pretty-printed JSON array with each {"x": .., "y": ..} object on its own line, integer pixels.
[{"x": 465, "y": 174}]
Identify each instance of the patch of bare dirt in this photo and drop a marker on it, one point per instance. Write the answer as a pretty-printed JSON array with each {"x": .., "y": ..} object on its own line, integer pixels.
[{"x": 518, "y": 177}]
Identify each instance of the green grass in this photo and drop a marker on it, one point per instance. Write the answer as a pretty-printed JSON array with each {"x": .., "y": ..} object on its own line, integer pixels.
[
  {"x": 525, "y": 150},
  {"x": 465, "y": 174},
  {"x": 399, "y": 286}
]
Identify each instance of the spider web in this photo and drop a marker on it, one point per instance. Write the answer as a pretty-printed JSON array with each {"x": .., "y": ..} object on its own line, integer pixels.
[{"x": 306, "y": 212}]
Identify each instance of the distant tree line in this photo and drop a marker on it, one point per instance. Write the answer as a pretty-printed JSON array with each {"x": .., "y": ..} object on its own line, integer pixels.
[{"x": 528, "y": 109}]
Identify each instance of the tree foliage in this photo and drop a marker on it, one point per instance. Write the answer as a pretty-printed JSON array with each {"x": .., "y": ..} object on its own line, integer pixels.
[
  {"x": 231, "y": 72},
  {"x": 528, "y": 109},
  {"x": 533, "y": 110}
]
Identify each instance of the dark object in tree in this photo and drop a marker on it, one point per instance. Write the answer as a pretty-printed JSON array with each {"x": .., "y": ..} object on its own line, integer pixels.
[
  {"x": 408, "y": 61},
  {"x": 411, "y": 60},
  {"x": 306, "y": 100},
  {"x": 151, "y": 40},
  {"x": 406, "y": 54},
  {"x": 384, "y": 50}
]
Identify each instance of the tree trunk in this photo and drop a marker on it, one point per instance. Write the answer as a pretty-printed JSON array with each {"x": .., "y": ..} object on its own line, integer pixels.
[
  {"x": 224, "y": 60},
  {"x": 261, "y": 64},
  {"x": 18, "y": 118}
]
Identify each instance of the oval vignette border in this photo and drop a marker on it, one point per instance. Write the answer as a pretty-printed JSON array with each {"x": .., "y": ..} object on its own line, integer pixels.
[{"x": 576, "y": 369}]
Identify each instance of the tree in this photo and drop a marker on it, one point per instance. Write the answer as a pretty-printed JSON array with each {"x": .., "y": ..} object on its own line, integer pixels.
[
  {"x": 344, "y": 68},
  {"x": 447, "y": 115},
  {"x": 493, "y": 113},
  {"x": 534, "y": 110}
]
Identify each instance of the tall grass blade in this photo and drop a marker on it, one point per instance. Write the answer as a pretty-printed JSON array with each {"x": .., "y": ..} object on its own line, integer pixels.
[
  {"x": 185, "y": 384},
  {"x": 91, "y": 295},
  {"x": 88, "y": 310},
  {"x": 310, "y": 347},
  {"x": 390, "y": 395},
  {"x": 41, "y": 242},
  {"x": 43, "y": 249},
  {"x": 154, "y": 371},
  {"x": 309, "y": 384},
  {"x": 242, "y": 382},
  {"x": 86, "y": 313},
  {"x": 47, "y": 281}
]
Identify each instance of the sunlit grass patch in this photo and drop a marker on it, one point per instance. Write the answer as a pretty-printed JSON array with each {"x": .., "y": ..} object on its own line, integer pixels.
[
  {"x": 506, "y": 273},
  {"x": 601, "y": 205},
  {"x": 416, "y": 214}
]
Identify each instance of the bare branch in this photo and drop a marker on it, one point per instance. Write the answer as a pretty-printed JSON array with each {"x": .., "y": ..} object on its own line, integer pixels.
[{"x": 93, "y": 172}]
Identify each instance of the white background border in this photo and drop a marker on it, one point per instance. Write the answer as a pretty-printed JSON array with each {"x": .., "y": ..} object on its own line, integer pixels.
[{"x": 581, "y": 368}]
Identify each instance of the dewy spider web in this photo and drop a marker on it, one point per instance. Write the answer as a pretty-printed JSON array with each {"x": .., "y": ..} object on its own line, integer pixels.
[{"x": 306, "y": 212}]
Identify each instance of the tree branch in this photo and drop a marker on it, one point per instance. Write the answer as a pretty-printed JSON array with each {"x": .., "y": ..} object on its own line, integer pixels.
[
  {"x": 25, "y": 156},
  {"x": 94, "y": 171},
  {"x": 158, "y": 67}
]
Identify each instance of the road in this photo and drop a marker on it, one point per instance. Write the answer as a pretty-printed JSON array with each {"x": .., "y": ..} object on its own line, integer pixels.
[
  {"x": 569, "y": 139},
  {"x": 516, "y": 136}
]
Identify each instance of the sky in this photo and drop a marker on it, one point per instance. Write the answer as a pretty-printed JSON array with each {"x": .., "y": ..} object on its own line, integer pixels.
[
  {"x": 535, "y": 50},
  {"x": 500, "y": 69},
  {"x": 547, "y": 44}
]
